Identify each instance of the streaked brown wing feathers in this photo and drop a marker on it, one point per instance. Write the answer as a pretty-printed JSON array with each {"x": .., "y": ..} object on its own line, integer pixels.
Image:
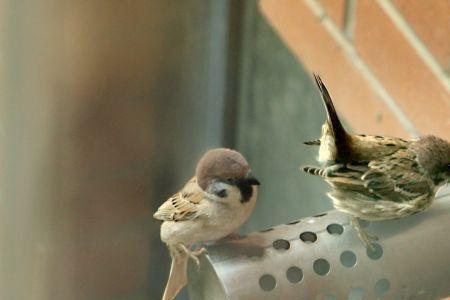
[
  {"x": 396, "y": 177},
  {"x": 183, "y": 205}
]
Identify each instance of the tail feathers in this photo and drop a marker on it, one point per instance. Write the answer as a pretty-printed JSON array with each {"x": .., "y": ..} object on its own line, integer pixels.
[
  {"x": 177, "y": 277},
  {"x": 314, "y": 171},
  {"x": 332, "y": 117},
  {"x": 313, "y": 142}
]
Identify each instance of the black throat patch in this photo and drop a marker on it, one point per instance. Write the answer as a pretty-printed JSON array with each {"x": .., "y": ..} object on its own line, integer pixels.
[{"x": 246, "y": 189}]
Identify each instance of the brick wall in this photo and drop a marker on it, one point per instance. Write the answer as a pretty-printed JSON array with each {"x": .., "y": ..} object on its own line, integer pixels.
[{"x": 385, "y": 62}]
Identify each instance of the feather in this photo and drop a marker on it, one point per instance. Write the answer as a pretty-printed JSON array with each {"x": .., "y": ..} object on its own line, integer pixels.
[
  {"x": 313, "y": 142},
  {"x": 332, "y": 116},
  {"x": 340, "y": 137},
  {"x": 367, "y": 189},
  {"x": 183, "y": 205}
]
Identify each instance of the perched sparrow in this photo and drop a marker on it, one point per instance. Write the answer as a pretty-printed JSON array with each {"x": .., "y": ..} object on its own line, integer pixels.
[
  {"x": 376, "y": 177},
  {"x": 211, "y": 206}
]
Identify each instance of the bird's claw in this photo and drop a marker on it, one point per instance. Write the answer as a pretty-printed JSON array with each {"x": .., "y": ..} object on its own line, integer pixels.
[
  {"x": 194, "y": 254},
  {"x": 366, "y": 237},
  {"x": 372, "y": 237}
]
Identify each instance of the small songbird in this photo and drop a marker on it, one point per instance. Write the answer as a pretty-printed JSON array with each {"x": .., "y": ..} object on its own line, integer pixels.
[
  {"x": 375, "y": 177},
  {"x": 212, "y": 205}
]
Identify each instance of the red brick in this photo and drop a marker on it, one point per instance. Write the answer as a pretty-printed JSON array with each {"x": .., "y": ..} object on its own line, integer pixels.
[
  {"x": 304, "y": 34},
  {"x": 404, "y": 74},
  {"x": 336, "y": 10},
  {"x": 431, "y": 21}
]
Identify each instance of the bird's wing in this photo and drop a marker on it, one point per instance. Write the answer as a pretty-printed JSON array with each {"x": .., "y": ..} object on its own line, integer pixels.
[
  {"x": 396, "y": 177},
  {"x": 183, "y": 205}
]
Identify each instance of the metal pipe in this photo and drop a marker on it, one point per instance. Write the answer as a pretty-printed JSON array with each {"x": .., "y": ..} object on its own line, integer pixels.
[{"x": 321, "y": 257}]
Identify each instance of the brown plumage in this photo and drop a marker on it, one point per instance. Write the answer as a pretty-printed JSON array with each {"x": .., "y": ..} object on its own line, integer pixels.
[
  {"x": 212, "y": 205},
  {"x": 183, "y": 205},
  {"x": 221, "y": 163},
  {"x": 376, "y": 177}
]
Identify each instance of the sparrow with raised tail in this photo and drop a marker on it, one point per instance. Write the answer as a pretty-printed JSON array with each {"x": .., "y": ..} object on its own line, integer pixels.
[
  {"x": 212, "y": 205},
  {"x": 375, "y": 177}
]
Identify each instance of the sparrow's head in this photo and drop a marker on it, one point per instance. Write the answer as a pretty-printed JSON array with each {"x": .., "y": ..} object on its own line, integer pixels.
[
  {"x": 433, "y": 154},
  {"x": 224, "y": 171}
]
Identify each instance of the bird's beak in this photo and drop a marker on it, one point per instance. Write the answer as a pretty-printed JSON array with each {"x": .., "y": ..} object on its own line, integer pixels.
[{"x": 252, "y": 180}]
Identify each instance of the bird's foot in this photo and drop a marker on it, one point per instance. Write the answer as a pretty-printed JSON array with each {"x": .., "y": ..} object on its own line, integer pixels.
[
  {"x": 194, "y": 254},
  {"x": 366, "y": 237}
]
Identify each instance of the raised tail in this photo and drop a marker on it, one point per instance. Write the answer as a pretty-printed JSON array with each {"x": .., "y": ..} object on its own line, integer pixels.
[
  {"x": 332, "y": 117},
  {"x": 178, "y": 274}
]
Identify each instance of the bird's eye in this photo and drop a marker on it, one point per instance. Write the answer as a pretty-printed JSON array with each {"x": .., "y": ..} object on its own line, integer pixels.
[
  {"x": 222, "y": 193},
  {"x": 229, "y": 180}
]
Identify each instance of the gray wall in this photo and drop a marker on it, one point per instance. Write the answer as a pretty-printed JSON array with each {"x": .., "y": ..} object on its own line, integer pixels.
[{"x": 279, "y": 107}]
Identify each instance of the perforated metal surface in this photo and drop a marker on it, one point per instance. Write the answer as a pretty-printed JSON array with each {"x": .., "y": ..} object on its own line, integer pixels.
[{"x": 321, "y": 258}]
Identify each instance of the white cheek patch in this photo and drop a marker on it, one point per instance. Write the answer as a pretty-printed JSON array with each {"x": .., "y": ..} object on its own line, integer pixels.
[{"x": 234, "y": 194}]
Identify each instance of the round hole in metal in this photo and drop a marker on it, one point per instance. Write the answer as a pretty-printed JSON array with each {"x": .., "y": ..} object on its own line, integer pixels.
[
  {"x": 335, "y": 229},
  {"x": 356, "y": 294},
  {"x": 308, "y": 237},
  {"x": 348, "y": 259},
  {"x": 267, "y": 282},
  {"x": 293, "y": 222},
  {"x": 281, "y": 244},
  {"x": 320, "y": 215},
  {"x": 294, "y": 274},
  {"x": 382, "y": 287},
  {"x": 266, "y": 230},
  {"x": 330, "y": 297},
  {"x": 364, "y": 223},
  {"x": 376, "y": 252},
  {"x": 321, "y": 267}
]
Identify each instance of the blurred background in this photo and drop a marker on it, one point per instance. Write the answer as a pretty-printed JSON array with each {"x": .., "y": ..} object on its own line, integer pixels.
[{"x": 105, "y": 107}]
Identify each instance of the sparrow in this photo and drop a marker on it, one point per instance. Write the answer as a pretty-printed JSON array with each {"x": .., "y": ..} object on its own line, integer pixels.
[
  {"x": 211, "y": 206},
  {"x": 376, "y": 177}
]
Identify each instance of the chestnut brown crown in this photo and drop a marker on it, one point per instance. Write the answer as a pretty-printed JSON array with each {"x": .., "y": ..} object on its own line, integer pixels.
[{"x": 220, "y": 164}]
